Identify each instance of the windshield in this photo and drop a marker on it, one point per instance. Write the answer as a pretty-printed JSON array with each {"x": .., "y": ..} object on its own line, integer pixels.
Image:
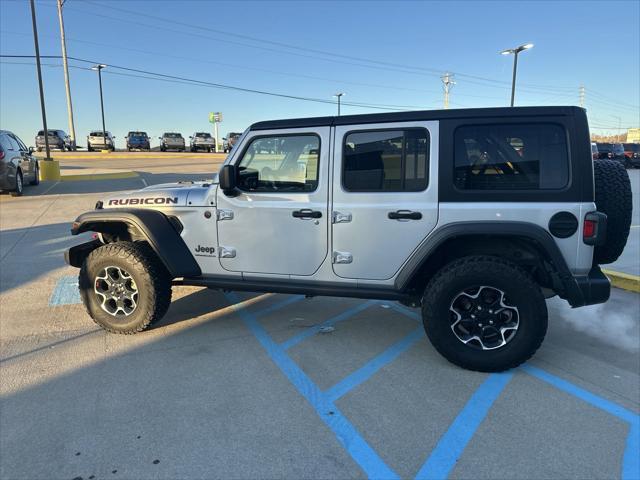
[
  {"x": 617, "y": 148},
  {"x": 632, "y": 147},
  {"x": 203, "y": 135},
  {"x": 138, "y": 134},
  {"x": 138, "y": 138},
  {"x": 172, "y": 135},
  {"x": 605, "y": 147},
  {"x": 97, "y": 134}
]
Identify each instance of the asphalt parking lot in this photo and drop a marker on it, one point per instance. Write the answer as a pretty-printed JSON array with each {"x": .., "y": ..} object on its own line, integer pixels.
[{"x": 234, "y": 385}]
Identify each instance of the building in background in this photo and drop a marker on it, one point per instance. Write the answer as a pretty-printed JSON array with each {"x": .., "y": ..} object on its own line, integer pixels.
[{"x": 633, "y": 135}]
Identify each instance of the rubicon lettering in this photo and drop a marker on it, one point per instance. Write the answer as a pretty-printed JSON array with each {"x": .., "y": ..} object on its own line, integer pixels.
[{"x": 145, "y": 201}]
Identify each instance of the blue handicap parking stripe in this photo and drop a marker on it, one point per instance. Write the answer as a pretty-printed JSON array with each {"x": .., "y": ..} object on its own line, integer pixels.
[
  {"x": 278, "y": 305},
  {"x": 311, "y": 331},
  {"x": 451, "y": 445},
  {"x": 347, "y": 435},
  {"x": 66, "y": 291},
  {"x": 370, "y": 368},
  {"x": 631, "y": 459}
]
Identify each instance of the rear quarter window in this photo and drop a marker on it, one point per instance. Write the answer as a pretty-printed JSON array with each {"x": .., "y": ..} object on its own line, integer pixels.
[{"x": 511, "y": 157}]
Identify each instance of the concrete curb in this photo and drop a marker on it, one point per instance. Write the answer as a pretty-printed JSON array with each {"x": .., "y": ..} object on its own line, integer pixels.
[
  {"x": 624, "y": 281},
  {"x": 98, "y": 176}
]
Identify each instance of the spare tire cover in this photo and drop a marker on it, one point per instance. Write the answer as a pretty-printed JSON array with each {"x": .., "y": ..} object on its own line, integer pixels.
[{"x": 613, "y": 197}]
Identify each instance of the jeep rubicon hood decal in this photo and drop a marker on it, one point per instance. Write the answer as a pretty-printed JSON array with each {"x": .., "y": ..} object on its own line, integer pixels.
[{"x": 178, "y": 194}]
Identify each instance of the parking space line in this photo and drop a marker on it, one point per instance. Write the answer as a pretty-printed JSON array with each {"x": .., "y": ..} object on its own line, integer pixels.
[
  {"x": 311, "y": 331},
  {"x": 278, "y": 305},
  {"x": 631, "y": 459},
  {"x": 346, "y": 433},
  {"x": 451, "y": 445},
  {"x": 65, "y": 292},
  {"x": 370, "y": 368}
]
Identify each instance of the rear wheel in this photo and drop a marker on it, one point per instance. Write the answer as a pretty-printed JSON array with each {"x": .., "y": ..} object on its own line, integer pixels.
[
  {"x": 484, "y": 313},
  {"x": 18, "y": 189},
  {"x": 124, "y": 287},
  {"x": 36, "y": 178}
]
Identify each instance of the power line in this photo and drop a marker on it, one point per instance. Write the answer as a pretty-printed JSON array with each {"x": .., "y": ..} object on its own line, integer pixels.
[
  {"x": 150, "y": 75},
  {"x": 404, "y": 68}
]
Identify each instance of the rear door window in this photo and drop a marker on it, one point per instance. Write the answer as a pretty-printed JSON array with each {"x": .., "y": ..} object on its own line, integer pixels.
[
  {"x": 386, "y": 160},
  {"x": 511, "y": 157}
]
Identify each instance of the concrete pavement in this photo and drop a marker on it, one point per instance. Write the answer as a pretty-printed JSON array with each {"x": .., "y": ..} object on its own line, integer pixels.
[{"x": 245, "y": 386}]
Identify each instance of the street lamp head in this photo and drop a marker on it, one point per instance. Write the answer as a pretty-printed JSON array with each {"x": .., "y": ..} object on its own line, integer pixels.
[
  {"x": 507, "y": 52},
  {"x": 339, "y": 94},
  {"x": 99, "y": 66},
  {"x": 519, "y": 49},
  {"x": 526, "y": 46}
]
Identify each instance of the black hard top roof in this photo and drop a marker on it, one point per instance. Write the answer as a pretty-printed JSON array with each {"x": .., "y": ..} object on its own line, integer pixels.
[{"x": 415, "y": 116}]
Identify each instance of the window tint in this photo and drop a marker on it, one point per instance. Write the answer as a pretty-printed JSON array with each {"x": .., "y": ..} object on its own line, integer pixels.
[
  {"x": 14, "y": 144},
  {"x": 5, "y": 143},
  {"x": 280, "y": 164},
  {"x": 386, "y": 161},
  {"x": 21, "y": 146},
  {"x": 511, "y": 157}
]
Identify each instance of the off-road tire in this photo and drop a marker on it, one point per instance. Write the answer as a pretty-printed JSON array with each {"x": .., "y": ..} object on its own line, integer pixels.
[
  {"x": 36, "y": 179},
  {"x": 151, "y": 277},
  {"x": 613, "y": 197},
  {"x": 18, "y": 190},
  {"x": 475, "y": 271}
]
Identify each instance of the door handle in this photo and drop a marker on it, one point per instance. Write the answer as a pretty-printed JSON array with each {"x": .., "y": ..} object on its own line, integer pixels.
[
  {"x": 404, "y": 215},
  {"x": 306, "y": 213}
]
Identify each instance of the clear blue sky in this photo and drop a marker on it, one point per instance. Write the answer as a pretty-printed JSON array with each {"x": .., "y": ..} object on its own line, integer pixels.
[{"x": 315, "y": 49}]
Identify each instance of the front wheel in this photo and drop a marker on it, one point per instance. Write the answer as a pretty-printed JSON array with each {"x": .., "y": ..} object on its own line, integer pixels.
[
  {"x": 483, "y": 313},
  {"x": 18, "y": 189},
  {"x": 124, "y": 287}
]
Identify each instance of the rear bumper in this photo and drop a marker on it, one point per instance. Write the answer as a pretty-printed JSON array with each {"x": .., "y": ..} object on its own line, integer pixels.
[{"x": 594, "y": 288}]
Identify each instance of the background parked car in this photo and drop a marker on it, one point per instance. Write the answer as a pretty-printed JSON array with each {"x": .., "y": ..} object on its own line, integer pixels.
[
  {"x": 230, "y": 140},
  {"x": 632, "y": 154},
  {"x": 58, "y": 139},
  {"x": 17, "y": 164},
  {"x": 618, "y": 152},
  {"x": 138, "y": 141},
  {"x": 605, "y": 150},
  {"x": 97, "y": 141},
  {"x": 172, "y": 141},
  {"x": 202, "y": 141}
]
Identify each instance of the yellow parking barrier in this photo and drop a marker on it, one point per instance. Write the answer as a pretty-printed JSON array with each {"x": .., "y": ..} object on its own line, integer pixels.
[
  {"x": 623, "y": 280},
  {"x": 49, "y": 170}
]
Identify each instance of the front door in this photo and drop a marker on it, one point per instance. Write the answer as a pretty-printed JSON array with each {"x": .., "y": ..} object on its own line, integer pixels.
[
  {"x": 278, "y": 221},
  {"x": 385, "y": 196}
]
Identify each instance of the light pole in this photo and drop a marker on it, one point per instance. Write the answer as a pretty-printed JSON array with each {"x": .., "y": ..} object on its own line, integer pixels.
[
  {"x": 99, "y": 68},
  {"x": 339, "y": 95},
  {"x": 515, "y": 52}
]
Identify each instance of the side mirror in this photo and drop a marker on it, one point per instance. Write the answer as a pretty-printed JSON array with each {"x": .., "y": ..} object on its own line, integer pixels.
[
  {"x": 31, "y": 150},
  {"x": 224, "y": 138},
  {"x": 190, "y": 136},
  {"x": 228, "y": 178}
]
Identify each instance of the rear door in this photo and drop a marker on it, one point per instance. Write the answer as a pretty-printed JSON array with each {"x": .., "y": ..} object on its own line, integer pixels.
[
  {"x": 278, "y": 222},
  {"x": 384, "y": 196}
]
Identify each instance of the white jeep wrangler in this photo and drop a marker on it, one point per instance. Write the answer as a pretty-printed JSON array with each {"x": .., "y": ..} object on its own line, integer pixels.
[{"x": 474, "y": 216}]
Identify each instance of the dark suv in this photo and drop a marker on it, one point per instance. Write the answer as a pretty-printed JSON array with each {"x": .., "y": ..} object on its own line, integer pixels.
[
  {"x": 57, "y": 139},
  {"x": 605, "y": 151},
  {"x": 632, "y": 154},
  {"x": 230, "y": 140},
  {"x": 138, "y": 141}
]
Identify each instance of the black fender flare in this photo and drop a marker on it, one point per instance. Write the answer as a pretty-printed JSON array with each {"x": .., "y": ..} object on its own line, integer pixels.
[
  {"x": 525, "y": 230},
  {"x": 153, "y": 225}
]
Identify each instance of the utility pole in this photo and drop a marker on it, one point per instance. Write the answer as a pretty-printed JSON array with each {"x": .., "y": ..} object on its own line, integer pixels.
[
  {"x": 581, "y": 90},
  {"x": 42, "y": 108},
  {"x": 447, "y": 85},
  {"x": 72, "y": 128}
]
